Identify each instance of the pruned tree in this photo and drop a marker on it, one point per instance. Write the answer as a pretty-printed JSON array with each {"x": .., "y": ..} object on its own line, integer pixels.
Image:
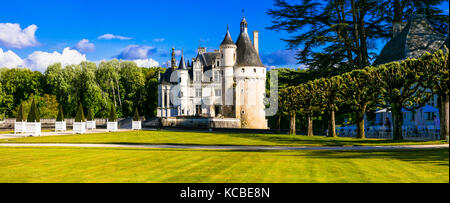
[
  {"x": 330, "y": 93},
  {"x": 361, "y": 91},
  {"x": 401, "y": 88},
  {"x": 436, "y": 77},
  {"x": 80, "y": 114}
]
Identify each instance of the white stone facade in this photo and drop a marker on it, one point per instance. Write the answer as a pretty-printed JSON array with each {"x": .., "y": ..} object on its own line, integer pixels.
[{"x": 226, "y": 83}]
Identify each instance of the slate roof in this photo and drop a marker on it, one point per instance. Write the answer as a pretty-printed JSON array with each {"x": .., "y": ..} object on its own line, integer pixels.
[
  {"x": 182, "y": 65},
  {"x": 227, "y": 40},
  {"x": 246, "y": 52},
  {"x": 414, "y": 40}
]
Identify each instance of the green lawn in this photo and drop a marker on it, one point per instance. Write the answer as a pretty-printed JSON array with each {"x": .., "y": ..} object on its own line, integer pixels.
[
  {"x": 53, "y": 164},
  {"x": 197, "y": 138}
]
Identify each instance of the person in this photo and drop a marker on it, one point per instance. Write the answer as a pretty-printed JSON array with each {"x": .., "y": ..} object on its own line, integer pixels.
[{"x": 388, "y": 125}]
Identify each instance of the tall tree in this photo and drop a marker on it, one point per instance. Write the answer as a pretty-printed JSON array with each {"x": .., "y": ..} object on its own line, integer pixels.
[
  {"x": 401, "y": 89},
  {"x": 360, "y": 90},
  {"x": 436, "y": 78},
  {"x": 329, "y": 89}
]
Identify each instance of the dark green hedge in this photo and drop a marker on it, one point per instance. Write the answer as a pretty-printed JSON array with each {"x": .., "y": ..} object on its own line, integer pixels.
[
  {"x": 60, "y": 114},
  {"x": 33, "y": 115},
  {"x": 136, "y": 116},
  {"x": 80, "y": 114},
  {"x": 112, "y": 114}
]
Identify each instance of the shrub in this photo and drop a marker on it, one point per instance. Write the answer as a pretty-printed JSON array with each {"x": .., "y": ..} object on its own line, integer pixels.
[
  {"x": 90, "y": 115},
  {"x": 80, "y": 114},
  {"x": 60, "y": 114},
  {"x": 136, "y": 116},
  {"x": 20, "y": 114},
  {"x": 33, "y": 115},
  {"x": 112, "y": 114}
]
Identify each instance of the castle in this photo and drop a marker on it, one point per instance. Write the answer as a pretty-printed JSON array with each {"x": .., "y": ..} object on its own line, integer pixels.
[{"x": 226, "y": 87}]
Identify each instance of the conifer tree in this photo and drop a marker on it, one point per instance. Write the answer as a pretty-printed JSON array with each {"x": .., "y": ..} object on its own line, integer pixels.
[
  {"x": 136, "y": 116},
  {"x": 90, "y": 116},
  {"x": 33, "y": 115},
  {"x": 20, "y": 114},
  {"x": 112, "y": 114},
  {"x": 80, "y": 114},
  {"x": 60, "y": 117}
]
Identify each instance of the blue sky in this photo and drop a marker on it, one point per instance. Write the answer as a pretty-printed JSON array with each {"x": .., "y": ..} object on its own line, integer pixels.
[{"x": 141, "y": 28}]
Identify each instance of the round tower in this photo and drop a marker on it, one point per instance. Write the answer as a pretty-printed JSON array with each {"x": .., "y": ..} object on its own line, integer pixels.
[
  {"x": 183, "y": 83},
  {"x": 228, "y": 59},
  {"x": 250, "y": 77}
]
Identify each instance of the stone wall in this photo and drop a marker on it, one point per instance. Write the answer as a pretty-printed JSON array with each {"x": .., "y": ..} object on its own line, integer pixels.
[{"x": 201, "y": 122}]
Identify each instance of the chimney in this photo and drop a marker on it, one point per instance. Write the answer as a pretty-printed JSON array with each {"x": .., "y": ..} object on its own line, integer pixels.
[{"x": 256, "y": 41}]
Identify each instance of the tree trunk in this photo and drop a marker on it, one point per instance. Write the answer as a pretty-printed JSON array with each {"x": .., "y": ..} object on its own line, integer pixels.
[
  {"x": 292, "y": 126},
  {"x": 360, "y": 132},
  {"x": 355, "y": 29},
  {"x": 310, "y": 125},
  {"x": 332, "y": 125},
  {"x": 278, "y": 131},
  {"x": 363, "y": 38},
  {"x": 398, "y": 122},
  {"x": 444, "y": 117}
]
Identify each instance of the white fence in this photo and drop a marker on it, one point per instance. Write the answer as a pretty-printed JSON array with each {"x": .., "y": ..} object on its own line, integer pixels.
[{"x": 382, "y": 132}]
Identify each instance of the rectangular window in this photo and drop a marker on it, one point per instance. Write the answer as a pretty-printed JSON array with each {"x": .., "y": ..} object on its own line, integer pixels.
[
  {"x": 198, "y": 109},
  {"x": 198, "y": 76},
  {"x": 198, "y": 92},
  {"x": 216, "y": 76},
  {"x": 218, "y": 92}
]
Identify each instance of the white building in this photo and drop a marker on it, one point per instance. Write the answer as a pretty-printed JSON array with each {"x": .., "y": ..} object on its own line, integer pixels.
[{"x": 228, "y": 83}]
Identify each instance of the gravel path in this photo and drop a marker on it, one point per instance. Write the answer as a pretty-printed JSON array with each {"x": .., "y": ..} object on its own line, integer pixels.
[{"x": 243, "y": 148}]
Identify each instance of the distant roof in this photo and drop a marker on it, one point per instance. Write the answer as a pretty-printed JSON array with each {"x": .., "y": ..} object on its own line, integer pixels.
[
  {"x": 165, "y": 77},
  {"x": 414, "y": 40},
  {"x": 246, "y": 52}
]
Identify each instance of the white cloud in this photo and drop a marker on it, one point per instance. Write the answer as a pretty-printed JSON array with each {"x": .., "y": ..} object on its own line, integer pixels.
[
  {"x": 9, "y": 59},
  {"x": 147, "y": 63},
  {"x": 111, "y": 36},
  {"x": 12, "y": 36},
  {"x": 85, "y": 46},
  {"x": 39, "y": 60},
  {"x": 159, "y": 40},
  {"x": 134, "y": 52}
]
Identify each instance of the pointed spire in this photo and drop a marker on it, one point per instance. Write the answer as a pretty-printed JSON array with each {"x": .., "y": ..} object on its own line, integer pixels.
[
  {"x": 227, "y": 40},
  {"x": 182, "y": 65}
]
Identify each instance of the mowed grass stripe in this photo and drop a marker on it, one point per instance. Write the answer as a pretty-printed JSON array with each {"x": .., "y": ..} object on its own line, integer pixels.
[
  {"x": 201, "y": 138},
  {"x": 48, "y": 164}
]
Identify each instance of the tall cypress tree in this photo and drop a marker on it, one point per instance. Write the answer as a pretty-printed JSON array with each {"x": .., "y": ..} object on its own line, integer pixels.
[
  {"x": 33, "y": 115},
  {"x": 136, "y": 116},
  {"x": 112, "y": 114},
  {"x": 20, "y": 114},
  {"x": 90, "y": 116},
  {"x": 60, "y": 117},
  {"x": 80, "y": 114}
]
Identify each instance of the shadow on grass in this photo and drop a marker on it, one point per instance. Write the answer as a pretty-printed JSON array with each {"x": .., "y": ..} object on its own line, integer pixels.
[
  {"x": 322, "y": 141},
  {"x": 429, "y": 156}
]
